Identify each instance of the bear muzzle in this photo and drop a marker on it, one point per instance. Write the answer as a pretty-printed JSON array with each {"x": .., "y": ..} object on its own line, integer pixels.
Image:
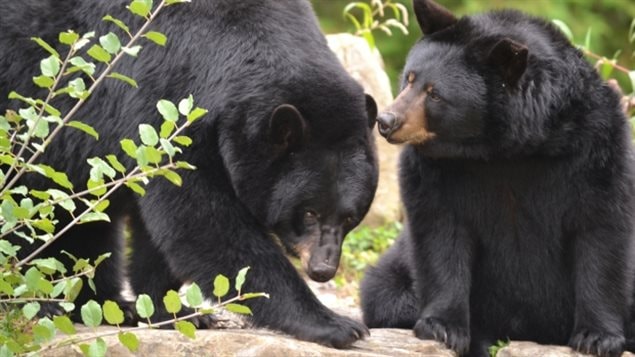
[{"x": 404, "y": 121}]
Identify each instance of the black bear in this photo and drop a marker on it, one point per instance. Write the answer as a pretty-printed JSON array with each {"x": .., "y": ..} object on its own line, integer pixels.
[
  {"x": 285, "y": 157},
  {"x": 517, "y": 179}
]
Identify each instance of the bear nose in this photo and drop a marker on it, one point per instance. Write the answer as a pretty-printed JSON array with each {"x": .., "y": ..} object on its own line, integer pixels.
[
  {"x": 322, "y": 272},
  {"x": 387, "y": 123}
]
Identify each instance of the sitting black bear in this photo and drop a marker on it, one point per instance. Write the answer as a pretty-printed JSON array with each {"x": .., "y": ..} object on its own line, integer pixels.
[{"x": 517, "y": 179}]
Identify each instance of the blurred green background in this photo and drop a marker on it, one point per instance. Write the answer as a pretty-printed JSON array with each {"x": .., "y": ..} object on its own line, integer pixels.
[{"x": 609, "y": 21}]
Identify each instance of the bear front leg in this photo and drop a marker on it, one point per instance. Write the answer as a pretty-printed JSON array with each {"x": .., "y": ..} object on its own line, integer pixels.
[
  {"x": 292, "y": 307},
  {"x": 602, "y": 274},
  {"x": 443, "y": 258},
  {"x": 204, "y": 231}
]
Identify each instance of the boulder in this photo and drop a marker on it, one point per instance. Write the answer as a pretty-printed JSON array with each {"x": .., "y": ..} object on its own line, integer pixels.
[
  {"x": 253, "y": 343},
  {"x": 367, "y": 68}
]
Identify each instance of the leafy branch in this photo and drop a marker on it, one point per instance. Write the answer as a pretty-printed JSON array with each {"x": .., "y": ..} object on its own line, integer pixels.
[{"x": 372, "y": 16}]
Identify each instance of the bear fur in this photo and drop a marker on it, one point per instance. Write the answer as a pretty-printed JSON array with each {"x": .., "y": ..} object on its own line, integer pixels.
[
  {"x": 517, "y": 179},
  {"x": 285, "y": 157}
]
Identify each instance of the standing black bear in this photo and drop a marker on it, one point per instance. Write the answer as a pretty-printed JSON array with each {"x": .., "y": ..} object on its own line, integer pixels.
[
  {"x": 286, "y": 149},
  {"x": 517, "y": 179}
]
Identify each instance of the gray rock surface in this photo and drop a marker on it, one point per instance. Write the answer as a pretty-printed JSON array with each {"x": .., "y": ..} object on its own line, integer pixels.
[
  {"x": 368, "y": 69},
  {"x": 252, "y": 343}
]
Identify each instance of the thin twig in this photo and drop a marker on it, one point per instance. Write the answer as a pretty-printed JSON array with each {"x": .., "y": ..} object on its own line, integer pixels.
[{"x": 80, "y": 102}]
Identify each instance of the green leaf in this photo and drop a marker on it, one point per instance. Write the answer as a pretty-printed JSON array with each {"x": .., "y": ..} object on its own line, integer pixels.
[
  {"x": 129, "y": 147},
  {"x": 168, "y": 110},
  {"x": 144, "y": 305},
  {"x": 124, "y": 78},
  {"x": 136, "y": 188},
  {"x": 156, "y": 37},
  {"x": 59, "y": 178},
  {"x": 167, "y": 147},
  {"x": 566, "y": 31},
  {"x": 240, "y": 278},
  {"x": 148, "y": 135},
  {"x": 172, "y": 302},
  {"x": 68, "y": 37},
  {"x": 63, "y": 199},
  {"x": 99, "y": 53},
  {"x": 96, "y": 349},
  {"x": 117, "y": 22},
  {"x": 32, "y": 278},
  {"x": 44, "y": 330},
  {"x": 96, "y": 188},
  {"x": 140, "y": 7},
  {"x": 50, "y": 66},
  {"x": 114, "y": 162},
  {"x": 94, "y": 217},
  {"x": 49, "y": 266},
  {"x": 112, "y": 313},
  {"x": 82, "y": 65},
  {"x": 101, "y": 258},
  {"x": 129, "y": 340},
  {"x": 21, "y": 213},
  {"x": 132, "y": 51},
  {"x": 196, "y": 114},
  {"x": 44, "y": 225},
  {"x": 84, "y": 127},
  {"x": 186, "y": 328},
  {"x": 30, "y": 309},
  {"x": 152, "y": 155},
  {"x": 183, "y": 140},
  {"x": 166, "y": 129},
  {"x": 110, "y": 42},
  {"x": 221, "y": 286},
  {"x": 606, "y": 68},
  {"x": 8, "y": 248},
  {"x": 45, "y": 286},
  {"x": 193, "y": 295},
  {"x": 587, "y": 40},
  {"x": 67, "y": 306},
  {"x": 6, "y": 288},
  {"x": 43, "y": 81},
  {"x": 46, "y": 46},
  {"x": 247, "y": 296},
  {"x": 91, "y": 314},
  {"x": 186, "y": 105},
  {"x": 64, "y": 324},
  {"x": 99, "y": 168},
  {"x": 239, "y": 309},
  {"x": 631, "y": 76}
]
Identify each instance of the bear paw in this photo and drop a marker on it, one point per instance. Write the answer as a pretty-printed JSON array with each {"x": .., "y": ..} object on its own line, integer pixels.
[
  {"x": 453, "y": 336},
  {"x": 598, "y": 343},
  {"x": 338, "y": 332}
]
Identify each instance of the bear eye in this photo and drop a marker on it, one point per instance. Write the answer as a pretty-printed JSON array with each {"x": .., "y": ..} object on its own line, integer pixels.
[
  {"x": 434, "y": 96},
  {"x": 349, "y": 221},
  {"x": 310, "y": 217}
]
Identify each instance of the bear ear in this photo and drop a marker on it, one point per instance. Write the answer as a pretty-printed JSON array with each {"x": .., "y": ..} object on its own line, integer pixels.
[
  {"x": 371, "y": 110},
  {"x": 287, "y": 128},
  {"x": 431, "y": 16},
  {"x": 511, "y": 59}
]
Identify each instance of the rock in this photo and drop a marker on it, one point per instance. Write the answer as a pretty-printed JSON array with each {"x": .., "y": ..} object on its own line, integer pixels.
[
  {"x": 531, "y": 349},
  {"x": 251, "y": 343},
  {"x": 368, "y": 69}
]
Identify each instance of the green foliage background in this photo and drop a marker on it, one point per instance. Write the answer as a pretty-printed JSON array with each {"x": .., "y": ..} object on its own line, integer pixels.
[{"x": 609, "y": 21}]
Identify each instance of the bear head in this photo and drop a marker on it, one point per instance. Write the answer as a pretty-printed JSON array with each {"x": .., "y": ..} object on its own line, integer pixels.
[
  {"x": 305, "y": 167},
  {"x": 481, "y": 86}
]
